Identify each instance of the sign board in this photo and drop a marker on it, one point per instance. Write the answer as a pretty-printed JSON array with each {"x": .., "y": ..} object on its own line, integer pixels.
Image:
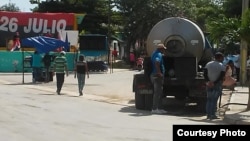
[{"x": 33, "y": 24}]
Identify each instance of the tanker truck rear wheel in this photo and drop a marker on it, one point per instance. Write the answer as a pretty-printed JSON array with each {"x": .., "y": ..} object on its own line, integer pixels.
[
  {"x": 139, "y": 101},
  {"x": 201, "y": 105}
]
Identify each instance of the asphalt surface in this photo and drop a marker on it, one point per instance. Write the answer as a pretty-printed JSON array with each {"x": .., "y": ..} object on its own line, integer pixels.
[{"x": 232, "y": 106}]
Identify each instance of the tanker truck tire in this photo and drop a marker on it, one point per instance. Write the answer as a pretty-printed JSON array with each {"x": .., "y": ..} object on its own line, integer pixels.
[
  {"x": 139, "y": 101},
  {"x": 148, "y": 101},
  {"x": 201, "y": 105}
]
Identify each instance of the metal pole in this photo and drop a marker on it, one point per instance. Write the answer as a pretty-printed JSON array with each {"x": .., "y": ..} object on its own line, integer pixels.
[
  {"x": 243, "y": 49},
  {"x": 23, "y": 62},
  {"x": 109, "y": 39},
  {"x": 109, "y": 32}
]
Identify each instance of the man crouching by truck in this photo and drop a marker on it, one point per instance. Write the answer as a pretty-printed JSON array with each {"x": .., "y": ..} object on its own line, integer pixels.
[{"x": 157, "y": 78}]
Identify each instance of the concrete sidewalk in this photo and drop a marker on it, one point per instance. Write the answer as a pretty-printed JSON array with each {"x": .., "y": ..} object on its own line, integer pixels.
[{"x": 236, "y": 112}]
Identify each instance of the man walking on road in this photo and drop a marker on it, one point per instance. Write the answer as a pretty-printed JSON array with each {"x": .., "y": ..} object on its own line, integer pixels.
[
  {"x": 60, "y": 67},
  {"x": 81, "y": 70},
  {"x": 47, "y": 59}
]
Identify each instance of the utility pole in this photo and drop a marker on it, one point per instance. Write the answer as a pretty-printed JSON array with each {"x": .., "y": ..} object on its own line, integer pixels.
[
  {"x": 110, "y": 61},
  {"x": 243, "y": 50},
  {"x": 243, "y": 55}
]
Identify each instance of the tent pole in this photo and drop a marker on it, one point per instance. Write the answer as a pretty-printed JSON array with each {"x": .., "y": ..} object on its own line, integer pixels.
[{"x": 23, "y": 63}]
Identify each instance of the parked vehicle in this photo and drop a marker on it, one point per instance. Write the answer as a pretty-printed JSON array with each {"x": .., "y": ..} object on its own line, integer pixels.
[
  {"x": 97, "y": 66},
  {"x": 139, "y": 63},
  {"x": 188, "y": 50}
]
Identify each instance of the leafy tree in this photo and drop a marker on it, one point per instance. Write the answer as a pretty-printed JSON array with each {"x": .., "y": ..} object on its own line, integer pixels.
[
  {"x": 10, "y": 7},
  {"x": 97, "y": 14},
  {"x": 200, "y": 11},
  {"x": 135, "y": 18},
  {"x": 224, "y": 29},
  {"x": 139, "y": 16},
  {"x": 245, "y": 27},
  {"x": 232, "y": 8}
]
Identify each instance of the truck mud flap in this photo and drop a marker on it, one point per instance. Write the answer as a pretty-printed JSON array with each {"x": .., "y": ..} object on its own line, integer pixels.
[
  {"x": 143, "y": 101},
  {"x": 139, "y": 101},
  {"x": 148, "y": 101},
  {"x": 143, "y": 92}
]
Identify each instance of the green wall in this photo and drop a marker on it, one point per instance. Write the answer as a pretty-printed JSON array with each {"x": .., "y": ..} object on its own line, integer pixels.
[{"x": 9, "y": 59}]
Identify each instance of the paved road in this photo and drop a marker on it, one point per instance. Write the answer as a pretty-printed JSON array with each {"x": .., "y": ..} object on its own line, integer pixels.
[
  {"x": 35, "y": 113},
  {"x": 111, "y": 86}
]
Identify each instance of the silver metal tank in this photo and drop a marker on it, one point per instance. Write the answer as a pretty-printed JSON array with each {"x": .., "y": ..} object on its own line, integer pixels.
[{"x": 182, "y": 37}]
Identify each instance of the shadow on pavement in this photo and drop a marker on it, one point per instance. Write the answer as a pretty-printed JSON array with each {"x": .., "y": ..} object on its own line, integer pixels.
[
  {"x": 135, "y": 112},
  {"x": 30, "y": 83}
]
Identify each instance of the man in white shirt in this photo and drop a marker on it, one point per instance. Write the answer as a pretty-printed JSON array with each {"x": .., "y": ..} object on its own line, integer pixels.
[{"x": 214, "y": 73}]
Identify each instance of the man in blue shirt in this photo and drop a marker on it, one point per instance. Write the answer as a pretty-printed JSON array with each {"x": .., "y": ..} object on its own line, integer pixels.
[{"x": 157, "y": 78}]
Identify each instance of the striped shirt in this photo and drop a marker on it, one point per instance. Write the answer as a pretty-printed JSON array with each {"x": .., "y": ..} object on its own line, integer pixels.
[{"x": 60, "y": 64}]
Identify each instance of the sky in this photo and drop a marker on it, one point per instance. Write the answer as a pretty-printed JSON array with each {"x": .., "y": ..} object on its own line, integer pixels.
[{"x": 24, "y": 5}]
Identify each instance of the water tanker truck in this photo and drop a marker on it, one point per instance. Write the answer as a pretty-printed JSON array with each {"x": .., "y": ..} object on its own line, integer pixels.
[{"x": 188, "y": 50}]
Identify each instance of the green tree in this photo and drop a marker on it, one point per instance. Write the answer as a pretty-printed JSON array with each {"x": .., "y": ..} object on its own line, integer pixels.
[
  {"x": 96, "y": 16},
  {"x": 245, "y": 27},
  {"x": 224, "y": 28},
  {"x": 97, "y": 13},
  {"x": 10, "y": 7},
  {"x": 135, "y": 18},
  {"x": 232, "y": 8},
  {"x": 224, "y": 32},
  {"x": 139, "y": 16},
  {"x": 200, "y": 11}
]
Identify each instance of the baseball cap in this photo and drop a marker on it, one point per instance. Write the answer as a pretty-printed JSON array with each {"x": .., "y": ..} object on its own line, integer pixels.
[
  {"x": 219, "y": 54},
  {"x": 161, "y": 46},
  {"x": 63, "y": 52}
]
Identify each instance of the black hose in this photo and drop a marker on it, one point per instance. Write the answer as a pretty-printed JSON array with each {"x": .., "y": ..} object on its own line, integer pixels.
[{"x": 232, "y": 104}]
